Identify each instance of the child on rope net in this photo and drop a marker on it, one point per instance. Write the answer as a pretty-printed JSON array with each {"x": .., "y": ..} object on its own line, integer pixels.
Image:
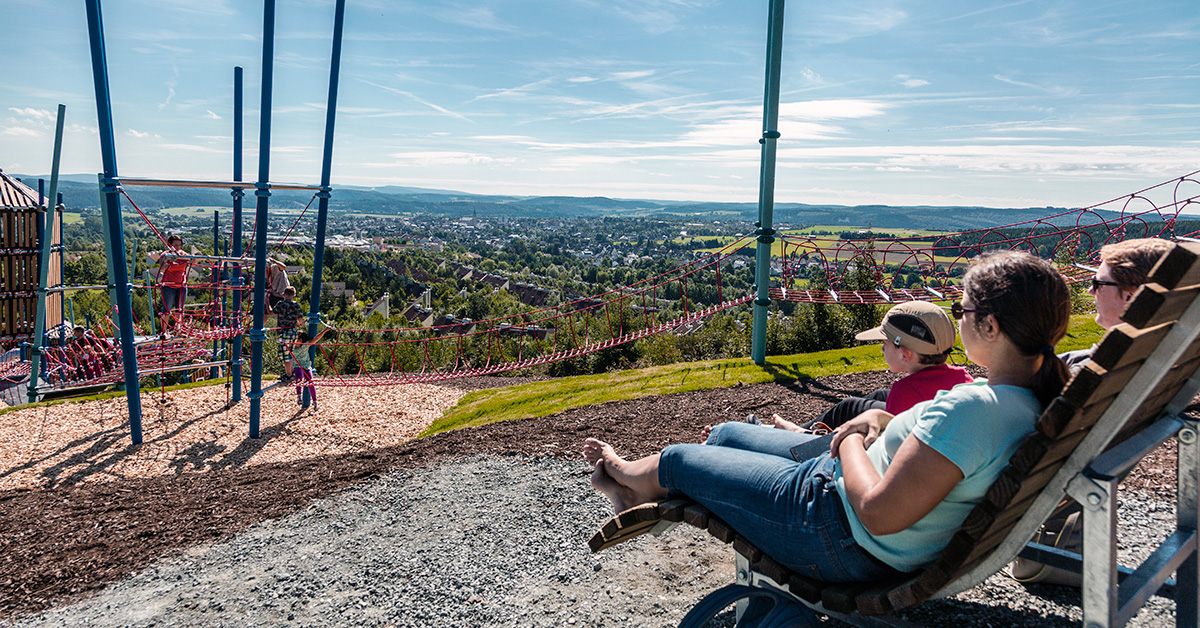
[
  {"x": 302, "y": 371},
  {"x": 892, "y": 490},
  {"x": 287, "y": 315},
  {"x": 172, "y": 276}
]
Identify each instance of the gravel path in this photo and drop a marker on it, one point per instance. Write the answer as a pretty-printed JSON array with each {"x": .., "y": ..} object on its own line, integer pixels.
[{"x": 489, "y": 540}]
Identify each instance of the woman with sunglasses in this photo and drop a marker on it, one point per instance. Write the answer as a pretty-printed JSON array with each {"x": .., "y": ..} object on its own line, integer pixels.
[
  {"x": 891, "y": 491},
  {"x": 1124, "y": 267}
]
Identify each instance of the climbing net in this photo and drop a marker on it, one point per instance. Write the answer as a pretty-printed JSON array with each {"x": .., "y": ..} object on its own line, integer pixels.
[
  {"x": 95, "y": 358},
  {"x": 877, "y": 269},
  {"x": 224, "y": 282}
]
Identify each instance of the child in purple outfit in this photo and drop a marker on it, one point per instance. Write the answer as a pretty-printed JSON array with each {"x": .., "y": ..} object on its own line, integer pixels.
[{"x": 302, "y": 368}]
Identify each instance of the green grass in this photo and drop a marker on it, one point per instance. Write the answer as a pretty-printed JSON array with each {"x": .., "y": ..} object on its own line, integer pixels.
[{"x": 541, "y": 399}]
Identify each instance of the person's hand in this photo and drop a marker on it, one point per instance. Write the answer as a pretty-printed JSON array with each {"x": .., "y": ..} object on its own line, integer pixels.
[{"x": 868, "y": 425}]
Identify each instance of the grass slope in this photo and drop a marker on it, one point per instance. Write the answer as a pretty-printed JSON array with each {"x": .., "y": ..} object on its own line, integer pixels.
[{"x": 539, "y": 399}]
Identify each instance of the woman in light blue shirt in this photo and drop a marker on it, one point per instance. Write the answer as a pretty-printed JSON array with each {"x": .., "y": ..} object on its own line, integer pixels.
[{"x": 892, "y": 490}]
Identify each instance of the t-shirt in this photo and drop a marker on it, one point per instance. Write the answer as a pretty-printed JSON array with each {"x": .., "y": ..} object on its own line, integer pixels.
[
  {"x": 975, "y": 426},
  {"x": 173, "y": 273},
  {"x": 300, "y": 357},
  {"x": 921, "y": 386},
  {"x": 287, "y": 313},
  {"x": 277, "y": 282}
]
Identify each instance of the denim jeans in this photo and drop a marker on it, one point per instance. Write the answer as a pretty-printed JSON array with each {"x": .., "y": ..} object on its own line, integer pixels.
[
  {"x": 173, "y": 298},
  {"x": 790, "y": 510}
]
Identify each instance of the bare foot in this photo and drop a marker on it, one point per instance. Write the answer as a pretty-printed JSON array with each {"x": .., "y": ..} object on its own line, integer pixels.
[
  {"x": 620, "y": 496},
  {"x": 593, "y": 450},
  {"x": 784, "y": 424},
  {"x": 639, "y": 476},
  {"x": 705, "y": 432}
]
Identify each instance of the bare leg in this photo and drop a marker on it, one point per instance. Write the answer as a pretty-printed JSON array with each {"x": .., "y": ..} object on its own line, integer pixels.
[
  {"x": 784, "y": 424},
  {"x": 639, "y": 476}
]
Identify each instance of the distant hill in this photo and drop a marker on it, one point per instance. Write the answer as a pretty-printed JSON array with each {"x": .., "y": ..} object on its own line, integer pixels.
[{"x": 81, "y": 191}]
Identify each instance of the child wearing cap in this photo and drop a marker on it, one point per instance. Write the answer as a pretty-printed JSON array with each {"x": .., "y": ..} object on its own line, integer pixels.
[{"x": 917, "y": 338}]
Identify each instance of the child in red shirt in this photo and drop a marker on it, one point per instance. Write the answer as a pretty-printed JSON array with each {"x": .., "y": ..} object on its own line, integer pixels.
[{"x": 917, "y": 338}]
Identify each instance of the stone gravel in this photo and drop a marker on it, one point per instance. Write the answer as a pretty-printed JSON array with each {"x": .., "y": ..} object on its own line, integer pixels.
[{"x": 496, "y": 541}]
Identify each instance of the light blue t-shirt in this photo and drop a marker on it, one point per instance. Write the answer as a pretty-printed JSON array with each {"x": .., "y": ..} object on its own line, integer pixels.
[{"x": 975, "y": 426}]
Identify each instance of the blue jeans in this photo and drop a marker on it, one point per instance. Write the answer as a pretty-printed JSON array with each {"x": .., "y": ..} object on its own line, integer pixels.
[{"x": 790, "y": 510}]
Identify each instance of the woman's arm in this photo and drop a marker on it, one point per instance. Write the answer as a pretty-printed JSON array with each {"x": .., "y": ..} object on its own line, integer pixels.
[
  {"x": 915, "y": 482},
  {"x": 869, "y": 424}
]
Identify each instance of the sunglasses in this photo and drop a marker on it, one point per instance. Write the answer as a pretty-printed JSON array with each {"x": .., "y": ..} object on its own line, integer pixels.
[
  {"x": 1096, "y": 283},
  {"x": 958, "y": 311}
]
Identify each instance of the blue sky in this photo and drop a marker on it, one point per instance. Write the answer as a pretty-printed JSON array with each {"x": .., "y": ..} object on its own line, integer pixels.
[{"x": 1026, "y": 103}]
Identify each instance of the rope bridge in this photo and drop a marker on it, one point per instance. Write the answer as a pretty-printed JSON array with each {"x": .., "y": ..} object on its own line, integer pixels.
[{"x": 387, "y": 357}]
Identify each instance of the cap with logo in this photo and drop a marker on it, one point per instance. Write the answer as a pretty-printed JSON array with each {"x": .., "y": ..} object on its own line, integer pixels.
[{"x": 915, "y": 325}]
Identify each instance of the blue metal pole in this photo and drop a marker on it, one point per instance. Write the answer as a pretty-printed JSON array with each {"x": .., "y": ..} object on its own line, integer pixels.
[
  {"x": 235, "y": 343},
  {"x": 214, "y": 372},
  {"x": 112, "y": 209},
  {"x": 335, "y": 62},
  {"x": 58, "y": 207},
  {"x": 46, "y": 237},
  {"x": 262, "y": 190},
  {"x": 766, "y": 190}
]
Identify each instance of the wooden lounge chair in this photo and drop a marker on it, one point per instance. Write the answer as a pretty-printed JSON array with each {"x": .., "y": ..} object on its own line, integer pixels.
[{"x": 1123, "y": 404}]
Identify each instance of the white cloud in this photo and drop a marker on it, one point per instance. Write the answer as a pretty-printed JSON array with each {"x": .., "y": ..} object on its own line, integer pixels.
[
  {"x": 911, "y": 82},
  {"x": 443, "y": 158},
  {"x": 632, "y": 74},
  {"x": 420, "y": 100},
  {"x": 138, "y": 134},
  {"x": 42, "y": 115},
  {"x": 209, "y": 115},
  {"x": 19, "y": 131}
]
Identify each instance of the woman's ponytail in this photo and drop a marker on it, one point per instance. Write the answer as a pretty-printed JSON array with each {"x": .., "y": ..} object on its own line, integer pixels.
[
  {"x": 1032, "y": 306},
  {"x": 1050, "y": 377}
]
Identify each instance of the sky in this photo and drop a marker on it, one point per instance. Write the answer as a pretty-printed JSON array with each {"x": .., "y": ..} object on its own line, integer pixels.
[{"x": 1027, "y": 103}]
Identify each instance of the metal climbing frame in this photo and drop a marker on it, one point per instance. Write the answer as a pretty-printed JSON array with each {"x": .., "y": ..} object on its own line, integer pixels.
[{"x": 110, "y": 189}]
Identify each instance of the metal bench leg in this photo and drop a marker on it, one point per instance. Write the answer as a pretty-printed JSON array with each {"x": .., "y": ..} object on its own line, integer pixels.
[
  {"x": 1187, "y": 515},
  {"x": 767, "y": 608},
  {"x": 1100, "y": 595}
]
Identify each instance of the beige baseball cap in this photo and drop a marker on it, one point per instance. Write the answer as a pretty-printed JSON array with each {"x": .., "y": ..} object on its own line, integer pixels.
[{"x": 915, "y": 325}]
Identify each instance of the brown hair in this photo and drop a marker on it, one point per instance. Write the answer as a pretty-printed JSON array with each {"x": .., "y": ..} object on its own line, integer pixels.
[
  {"x": 1132, "y": 260},
  {"x": 934, "y": 359},
  {"x": 1032, "y": 306}
]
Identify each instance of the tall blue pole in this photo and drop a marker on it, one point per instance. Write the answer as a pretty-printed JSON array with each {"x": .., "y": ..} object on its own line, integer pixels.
[
  {"x": 335, "y": 62},
  {"x": 218, "y": 317},
  {"x": 766, "y": 187},
  {"x": 262, "y": 191},
  {"x": 112, "y": 210},
  {"x": 46, "y": 238},
  {"x": 235, "y": 343}
]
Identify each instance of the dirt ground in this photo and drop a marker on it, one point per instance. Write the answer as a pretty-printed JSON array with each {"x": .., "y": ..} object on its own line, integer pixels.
[{"x": 65, "y": 539}]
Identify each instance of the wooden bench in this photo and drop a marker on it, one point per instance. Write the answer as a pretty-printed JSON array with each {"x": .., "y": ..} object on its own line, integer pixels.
[{"x": 1122, "y": 405}]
